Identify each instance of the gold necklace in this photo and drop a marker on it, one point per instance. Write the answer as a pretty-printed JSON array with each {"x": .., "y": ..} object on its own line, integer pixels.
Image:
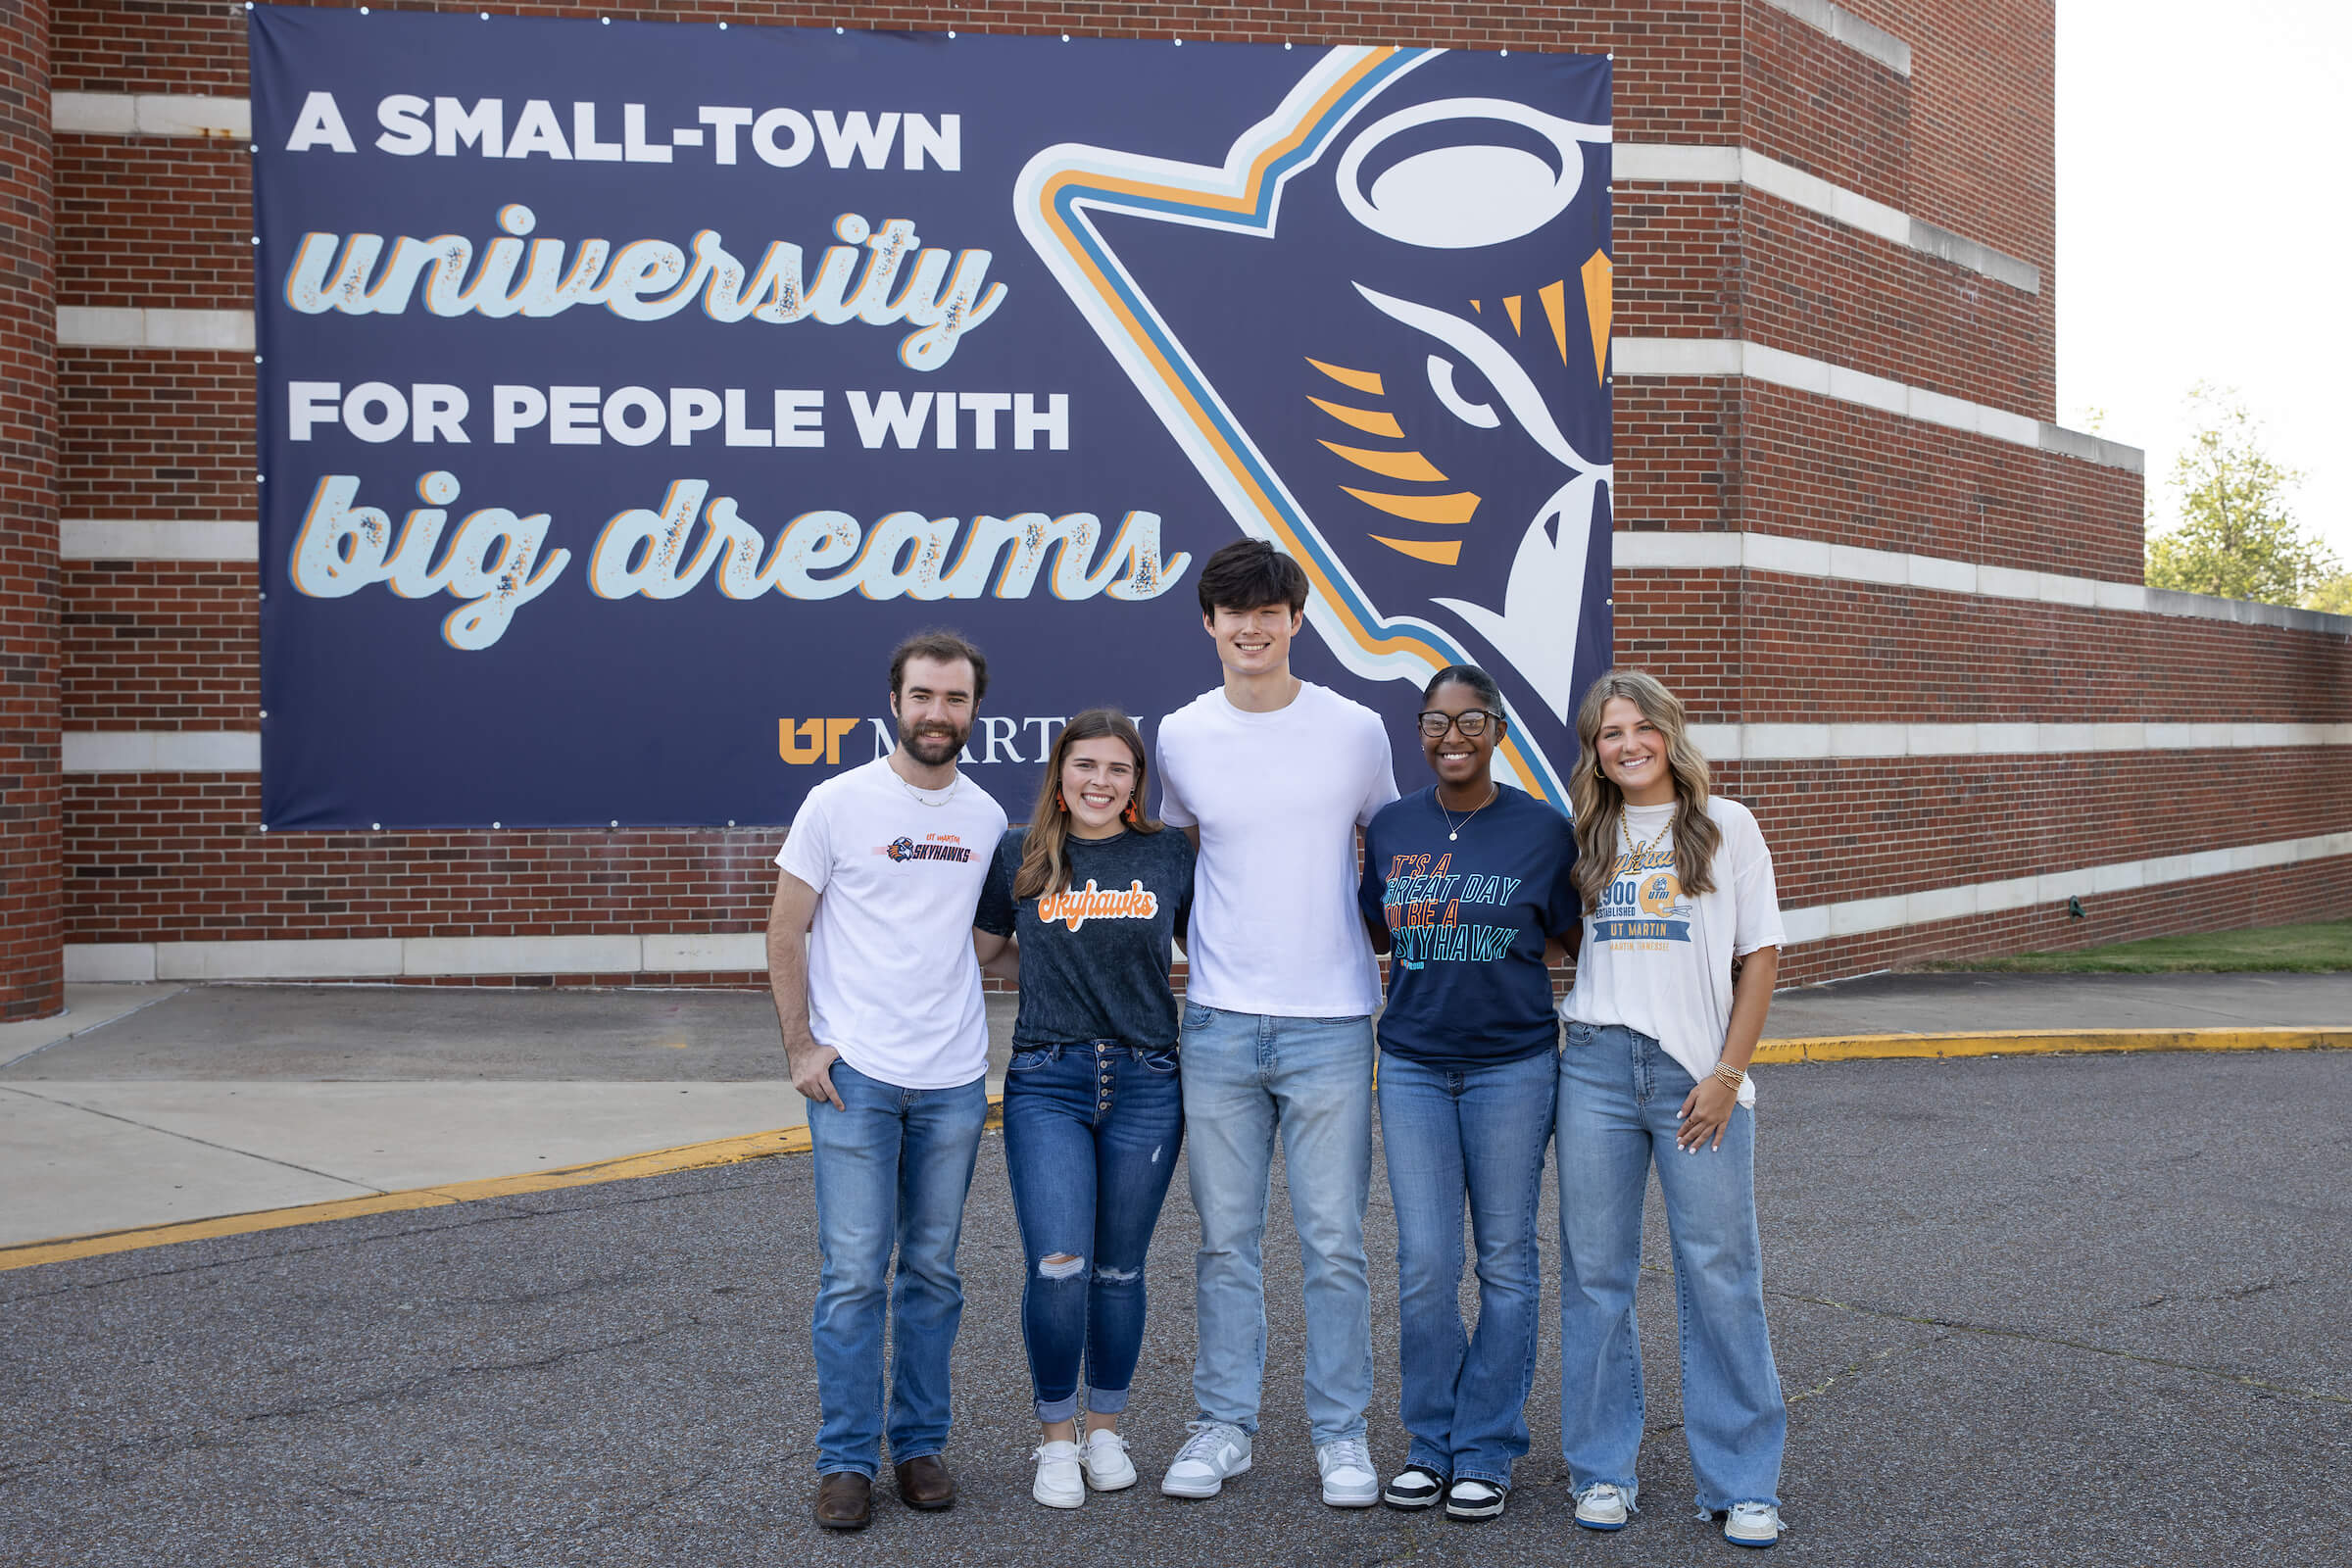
[
  {"x": 1454, "y": 829},
  {"x": 1634, "y": 851}
]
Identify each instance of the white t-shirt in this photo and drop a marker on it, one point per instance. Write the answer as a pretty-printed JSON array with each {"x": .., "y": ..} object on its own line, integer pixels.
[
  {"x": 1656, "y": 960},
  {"x": 893, "y": 985},
  {"x": 1277, "y": 798}
]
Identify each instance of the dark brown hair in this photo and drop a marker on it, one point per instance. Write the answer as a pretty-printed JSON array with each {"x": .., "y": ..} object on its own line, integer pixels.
[
  {"x": 1044, "y": 868},
  {"x": 1250, "y": 575},
  {"x": 946, "y": 647}
]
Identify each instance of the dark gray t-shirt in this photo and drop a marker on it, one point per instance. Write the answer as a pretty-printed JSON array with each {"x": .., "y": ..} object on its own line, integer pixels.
[{"x": 1095, "y": 958}]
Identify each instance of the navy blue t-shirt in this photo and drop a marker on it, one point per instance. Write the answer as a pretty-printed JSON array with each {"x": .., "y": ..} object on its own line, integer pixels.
[
  {"x": 1095, "y": 957},
  {"x": 1467, "y": 920}
]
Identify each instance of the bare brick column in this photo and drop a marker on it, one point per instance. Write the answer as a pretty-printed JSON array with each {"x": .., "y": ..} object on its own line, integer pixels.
[{"x": 32, "y": 951}]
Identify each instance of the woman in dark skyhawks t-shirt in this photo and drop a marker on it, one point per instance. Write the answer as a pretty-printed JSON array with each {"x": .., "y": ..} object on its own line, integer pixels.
[
  {"x": 1084, "y": 905},
  {"x": 1466, "y": 885}
]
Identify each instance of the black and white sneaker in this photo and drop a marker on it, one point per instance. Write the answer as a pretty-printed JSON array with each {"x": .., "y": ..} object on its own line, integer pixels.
[
  {"x": 1415, "y": 1487},
  {"x": 1467, "y": 1498}
]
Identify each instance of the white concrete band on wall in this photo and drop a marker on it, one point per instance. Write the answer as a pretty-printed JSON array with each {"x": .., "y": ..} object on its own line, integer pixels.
[
  {"x": 329, "y": 958},
  {"x": 1851, "y": 30},
  {"x": 1860, "y": 917},
  {"x": 162, "y": 751},
  {"x": 1737, "y": 358},
  {"x": 196, "y": 539},
  {"x": 240, "y": 750},
  {"x": 109, "y": 326},
  {"x": 1637, "y": 162},
  {"x": 147, "y": 113},
  {"x": 1805, "y": 743}
]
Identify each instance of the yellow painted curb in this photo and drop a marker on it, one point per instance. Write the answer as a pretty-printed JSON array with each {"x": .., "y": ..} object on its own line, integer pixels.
[
  {"x": 2042, "y": 1042},
  {"x": 794, "y": 1139},
  {"x": 654, "y": 1162}
]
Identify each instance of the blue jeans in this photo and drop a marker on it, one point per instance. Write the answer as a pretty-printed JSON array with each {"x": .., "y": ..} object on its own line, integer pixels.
[
  {"x": 892, "y": 1168},
  {"x": 1451, "y": 1132},
  {"x": 1247, "y": 1078},
  {"x": 1091, "y": 1135},
  {"x": 1620, "y": 1094}
]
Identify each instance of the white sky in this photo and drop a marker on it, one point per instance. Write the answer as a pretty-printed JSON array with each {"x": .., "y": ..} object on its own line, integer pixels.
[{"x": 2204, "y": 182}]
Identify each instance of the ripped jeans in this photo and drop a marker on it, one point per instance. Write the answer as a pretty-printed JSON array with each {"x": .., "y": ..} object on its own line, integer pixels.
[{"x": 1091, "y": 1136}]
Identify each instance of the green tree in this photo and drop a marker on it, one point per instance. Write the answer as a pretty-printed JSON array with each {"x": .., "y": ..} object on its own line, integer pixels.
[
  {"x": 2334, "y": 596},
  {"x": 2238, "y": 538}
]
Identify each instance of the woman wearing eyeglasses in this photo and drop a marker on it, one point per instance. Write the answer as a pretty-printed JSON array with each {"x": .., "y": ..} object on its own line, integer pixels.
[{"x": 1467, "y": 886}]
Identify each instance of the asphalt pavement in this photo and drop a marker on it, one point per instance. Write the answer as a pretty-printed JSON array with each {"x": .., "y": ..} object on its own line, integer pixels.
[{"x": 2063, "y": 1310}]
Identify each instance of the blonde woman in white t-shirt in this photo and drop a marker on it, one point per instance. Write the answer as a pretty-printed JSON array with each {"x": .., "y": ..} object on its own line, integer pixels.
[{"x": 1678, "y": 893}]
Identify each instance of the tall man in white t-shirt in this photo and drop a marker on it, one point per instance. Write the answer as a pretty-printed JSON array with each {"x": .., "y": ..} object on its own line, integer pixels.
[
  {"x": 889, "y": 1042},
  {"x": 1272, "y": 776}
]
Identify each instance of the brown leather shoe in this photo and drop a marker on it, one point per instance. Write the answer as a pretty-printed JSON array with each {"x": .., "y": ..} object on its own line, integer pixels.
[
  {"x": 926, "y": 1483},
  {"x": 844, "y": 1501}
]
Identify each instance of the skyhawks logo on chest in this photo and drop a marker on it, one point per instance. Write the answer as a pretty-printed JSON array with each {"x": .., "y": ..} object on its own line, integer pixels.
[
  {"x": 906, "y": 848},
  {"x": 1075, "y": 907}
]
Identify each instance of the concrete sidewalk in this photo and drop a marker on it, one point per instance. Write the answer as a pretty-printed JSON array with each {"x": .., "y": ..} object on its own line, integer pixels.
[{"x": 151, "y": 1105}]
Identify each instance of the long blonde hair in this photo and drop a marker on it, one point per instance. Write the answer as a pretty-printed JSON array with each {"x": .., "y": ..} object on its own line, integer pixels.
[
  {"x": 1599, "y": 804},
  {"x": 1045, "y": 865}
]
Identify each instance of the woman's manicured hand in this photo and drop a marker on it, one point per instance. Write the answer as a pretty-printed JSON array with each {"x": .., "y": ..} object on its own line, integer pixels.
[{"x": 1706, "y": 1111}]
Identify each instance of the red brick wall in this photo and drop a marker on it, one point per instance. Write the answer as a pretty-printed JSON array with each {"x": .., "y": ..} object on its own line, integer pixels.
[
  {"x": 32, "y": 976},
  {"x": 1964, "y": 143}
]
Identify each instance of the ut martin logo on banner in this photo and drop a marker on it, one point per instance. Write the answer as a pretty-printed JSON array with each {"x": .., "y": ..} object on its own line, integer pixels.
[{"x": 1408, "y": 257}]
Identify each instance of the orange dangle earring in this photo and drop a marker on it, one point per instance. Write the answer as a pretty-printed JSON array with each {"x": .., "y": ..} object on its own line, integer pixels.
[
  {"x": 1060, "y": 805},
  {"x": 1134, "y": 813}
]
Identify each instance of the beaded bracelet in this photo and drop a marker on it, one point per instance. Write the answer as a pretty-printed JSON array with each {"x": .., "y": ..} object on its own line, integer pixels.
[{"x": 1730, "y": 1075}]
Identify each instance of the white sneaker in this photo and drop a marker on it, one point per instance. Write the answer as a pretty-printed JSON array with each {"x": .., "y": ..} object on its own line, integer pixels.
[
  {"x": 1603, "y": 1506},
  {"x": 1108, "y": 1467},
  {"x": 1752, "y": 1524},
  {"x": 1472, "y": 1498},
  {"x": 1416, "y": 1486},
  {"x": 1214, "y": 1453},
  {"x": 1348, "y": 1478},
  {"x": 1058, "y": 1484}
]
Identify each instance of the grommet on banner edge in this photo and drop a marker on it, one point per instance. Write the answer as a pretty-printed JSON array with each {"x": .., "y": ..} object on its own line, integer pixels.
[
  {"x": 376, "y": 827},
  {"x": 262, "y": 827},
  {"x": 497, "y": 824},
  {"x": 616, "y": 823}
]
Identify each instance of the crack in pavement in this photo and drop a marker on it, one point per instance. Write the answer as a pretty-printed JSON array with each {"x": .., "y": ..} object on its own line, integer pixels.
[
  {"x": 2241, "y": 1293},
  {"x": 190, "y": 1137},
  {"x": 1996, "y": 1331},
  {"x": 667, "y": 1494},
  {"x": 1868, "y": 1362},
  {"x": 409, "y": 1386},
  {"x": 499, "y": 1214}
]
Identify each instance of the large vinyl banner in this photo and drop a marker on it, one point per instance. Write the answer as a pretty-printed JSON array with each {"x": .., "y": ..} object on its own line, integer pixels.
[{"x": 628, "y": 390}]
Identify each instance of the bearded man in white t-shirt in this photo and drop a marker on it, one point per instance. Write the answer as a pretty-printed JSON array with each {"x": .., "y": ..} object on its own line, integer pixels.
[
  {"x": 1272, "y": 777},
  {"x": 888, "y": 1040}
]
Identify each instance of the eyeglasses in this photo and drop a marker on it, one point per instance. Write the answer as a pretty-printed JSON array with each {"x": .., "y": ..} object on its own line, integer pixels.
[{"x": 1472, "y": 725}]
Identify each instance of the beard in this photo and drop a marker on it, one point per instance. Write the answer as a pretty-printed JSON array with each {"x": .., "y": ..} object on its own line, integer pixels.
[{"x": 935, "y": 742}]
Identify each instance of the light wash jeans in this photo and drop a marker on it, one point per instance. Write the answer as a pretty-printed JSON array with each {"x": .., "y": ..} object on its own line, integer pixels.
[
  {"x": 1247, "y": 1078},
  {"x": 892, "y": 1169},
  {"x": 1451, "y": 1132},
  {"x": 1091, "y": 1135},
  {"x": 1620, "y": 1093}
]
